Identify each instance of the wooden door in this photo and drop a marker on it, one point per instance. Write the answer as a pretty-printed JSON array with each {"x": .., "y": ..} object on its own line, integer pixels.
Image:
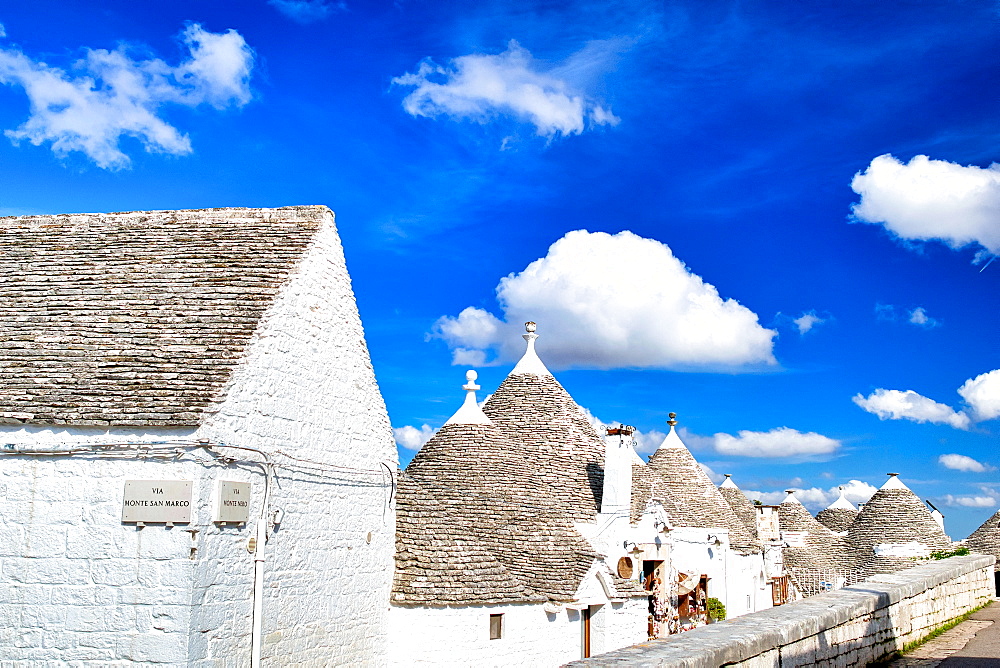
[{"x": 585, "y": 620}]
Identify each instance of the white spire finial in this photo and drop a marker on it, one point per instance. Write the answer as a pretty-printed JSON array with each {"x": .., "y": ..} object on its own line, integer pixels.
[
  {"x": 842, "y": 502},
  {"x": 470, "y": 377},
  {"x": 530, "y": 363},
  {"x": 791, "y": 497},
  {"x": 672, "y": 440},
  {"x": 728, "y": 482},
  {"x": 470, "y": 412},
  {"x": 894, "y": 482}
]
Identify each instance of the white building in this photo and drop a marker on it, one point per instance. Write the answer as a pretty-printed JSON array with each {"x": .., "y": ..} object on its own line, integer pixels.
[
  {"x": 709, "y": 540},
  {"x": 196, "y": 459},
  {"x": 515, "y": 544},
  {"x": 524, "y": 539}
]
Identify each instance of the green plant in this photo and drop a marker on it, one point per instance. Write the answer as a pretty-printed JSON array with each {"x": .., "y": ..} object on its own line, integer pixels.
[
  {"x": 715, "y": 609},
  {"x": 944, "y": 554}
]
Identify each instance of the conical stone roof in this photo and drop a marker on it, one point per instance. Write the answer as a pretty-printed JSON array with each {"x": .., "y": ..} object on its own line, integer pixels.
[
  {"x": 894, "y": 515},
  {"x": 740, "y": 504},
  {"x": 822, "y": 549},
  {"x": 986, "y": 539},
  {"x": 648, "y": 485},
  {"x": 565, "y": 453},
  {"x": 837, "y": 519},
  {"x": 839, "y": 515},
  {"x": 474, "y": 524},
  {"x": 699, "y": 500}
]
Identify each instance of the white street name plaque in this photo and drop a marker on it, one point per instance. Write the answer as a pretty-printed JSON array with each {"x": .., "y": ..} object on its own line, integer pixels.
[
  {"x": 157, "y": 501},
  {"x": 233, "y": 502}
]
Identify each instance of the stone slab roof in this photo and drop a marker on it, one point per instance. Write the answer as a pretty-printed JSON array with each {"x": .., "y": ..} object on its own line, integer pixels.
[
  {"x": 823, "y": 550},
  {"x": 472, "y": 486},
  {"x": 986, "y": 539},
  {"x": 741, "y": 505},
  {"x": 138, "y": 318},
  {"x": 894, "y": 515},
  {"x": 648, "y": 485},
  {"x": 439, "y": 561},
  {"x": 565, "y": 451},
  {"x": 699, "y": 500},
  {"x": 837, "y": 519}
]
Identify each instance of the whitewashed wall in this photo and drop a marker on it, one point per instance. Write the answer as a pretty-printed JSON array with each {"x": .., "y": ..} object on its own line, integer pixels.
[
  {"x": 307, "y": 387},
  {"x": 748, "y": 585},
  {"x": 75, "y": 584},
  {"x": 532, "y": 637},
  {"x": 734, "y": 577},
  {"x": 78, "y": 585}
]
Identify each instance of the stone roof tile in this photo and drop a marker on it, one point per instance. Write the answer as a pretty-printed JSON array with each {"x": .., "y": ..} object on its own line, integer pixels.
[
  {"x": 986, "y": 539},
  {"x": 894, "y": 515},
  {"x": 699, "y": 500},
  {"x": 837, "y": 519},
  {"x": 740, "y": 504},
  {"x": 472, "y": 485},
  {"x": 136, "y": 318},
  {"x": 563, "y": 448}
]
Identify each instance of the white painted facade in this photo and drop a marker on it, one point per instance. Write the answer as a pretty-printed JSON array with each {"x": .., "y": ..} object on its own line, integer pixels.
[
  {"x": 740, "y": 581},
  {"x": 77, "y": 586},
  {"x": 533, "y": 634},
  {"x": 536, "y": 634}
]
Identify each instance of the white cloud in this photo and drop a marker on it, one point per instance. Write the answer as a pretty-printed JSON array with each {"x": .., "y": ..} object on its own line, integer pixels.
[
  {"x": 717, "y": 478},
  {"x": 780, "y": 442},
  {"x": 3, "y": 31},
  {"x": 480, "y": 86},
  {"x": 915, "y": 316},
  {"x": 807, "y": 321},
  {"x": 412, "y": 438},
  {"x": 982, "y": 393},
  {"x": 963, "y": 463},
  {"x": 931, "y": 199},
  {"x": 113, "y": 95},
  {"x": 611, "y": 301},
  {"x": 816, "y": 498},
  {"x": 970, "y": 501},
  {"x": 695, "y": 442},
  {"x": 919, "y": 317},
  {"x": 307, "y": 11},
  {"x": 908, "y": 405}
]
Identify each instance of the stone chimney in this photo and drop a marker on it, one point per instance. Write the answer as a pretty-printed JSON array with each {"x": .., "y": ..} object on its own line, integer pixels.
[{"x": 619, "y": 455}]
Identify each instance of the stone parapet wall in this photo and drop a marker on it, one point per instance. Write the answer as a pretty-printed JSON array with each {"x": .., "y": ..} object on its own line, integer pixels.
[{"x": 853, "y": 626}]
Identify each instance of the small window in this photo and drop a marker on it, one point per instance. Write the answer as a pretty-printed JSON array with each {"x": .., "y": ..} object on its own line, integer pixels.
[{"x": 496, "y": 627}]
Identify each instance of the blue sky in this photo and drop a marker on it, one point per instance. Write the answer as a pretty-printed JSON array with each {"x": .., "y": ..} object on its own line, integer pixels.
[{"x": 774, "y": 219}]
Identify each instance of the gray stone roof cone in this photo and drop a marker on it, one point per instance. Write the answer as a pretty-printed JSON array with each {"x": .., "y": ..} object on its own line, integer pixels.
[
  {"x": 740, "y": 504},
  {"x": 892, "y": 528},
  {"x": 986, "y": 539},
  {"x": 565, "y": 453},
  {"x": 699, "y": 500},
  {"x": 648, "y": 485},
  {"x": 839, "y": 515},
  {"x": 818, "y": 547},
  {"x": 474, "y": 524}
]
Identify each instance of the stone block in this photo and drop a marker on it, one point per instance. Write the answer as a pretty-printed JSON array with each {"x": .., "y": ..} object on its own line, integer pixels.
[{"x": 44, "y": 571}]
